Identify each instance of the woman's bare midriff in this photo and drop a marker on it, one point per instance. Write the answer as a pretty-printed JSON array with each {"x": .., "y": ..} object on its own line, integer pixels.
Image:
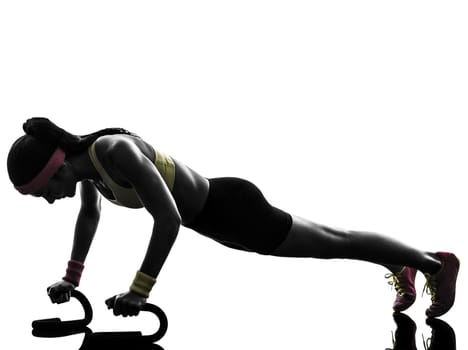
[{"x": 190, "y": 191}]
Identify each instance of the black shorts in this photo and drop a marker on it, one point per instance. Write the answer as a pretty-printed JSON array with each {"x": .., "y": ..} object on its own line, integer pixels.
[{"x": 237, "y": 215}]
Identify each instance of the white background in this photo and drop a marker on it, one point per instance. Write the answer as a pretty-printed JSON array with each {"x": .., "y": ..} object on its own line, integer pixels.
[{"x": 349, "y": 113}]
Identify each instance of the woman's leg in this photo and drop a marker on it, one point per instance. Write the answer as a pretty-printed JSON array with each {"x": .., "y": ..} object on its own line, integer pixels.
[{"x": 308, "y": 239}]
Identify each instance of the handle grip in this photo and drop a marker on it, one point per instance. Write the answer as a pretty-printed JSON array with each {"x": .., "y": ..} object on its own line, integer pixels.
[
  {"x": 137, "y": 336},
  {"x": 55, "y": 326}
]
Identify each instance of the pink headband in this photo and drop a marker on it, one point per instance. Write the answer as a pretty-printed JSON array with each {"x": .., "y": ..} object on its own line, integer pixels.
[{"x": 54, "y": 163}]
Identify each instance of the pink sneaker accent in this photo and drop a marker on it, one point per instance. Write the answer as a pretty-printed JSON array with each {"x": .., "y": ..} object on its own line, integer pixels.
[
  {"x": 442, "y": 285},
  {"x": 403, "y": 282}
]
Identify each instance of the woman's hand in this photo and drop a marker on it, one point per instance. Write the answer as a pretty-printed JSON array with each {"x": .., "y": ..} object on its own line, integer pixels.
[
  {"x": 126, "y": 304},
  {"x": 60, "y": 292}
]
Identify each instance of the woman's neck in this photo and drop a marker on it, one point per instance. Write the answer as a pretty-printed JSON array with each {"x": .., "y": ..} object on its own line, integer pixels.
[{"x": 83, "y": 168}]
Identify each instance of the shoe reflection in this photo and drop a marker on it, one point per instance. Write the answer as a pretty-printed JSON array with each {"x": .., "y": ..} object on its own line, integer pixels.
[
  {"x": 443, "y": 336},
  {"x": 404, "y": 338}
]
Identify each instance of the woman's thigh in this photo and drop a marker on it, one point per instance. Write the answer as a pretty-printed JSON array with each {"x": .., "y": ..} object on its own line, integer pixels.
[{"x": 309, "y": 239}]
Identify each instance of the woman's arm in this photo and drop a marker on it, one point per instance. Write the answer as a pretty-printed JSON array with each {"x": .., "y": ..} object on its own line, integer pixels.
[
  {"x": 129, "y": 162},
  {"x": 163, "y": 237},
  {"x": 87, "y": 221},
  {"x": 86, "y": 224},
  {"x": 141, "y": 173}
]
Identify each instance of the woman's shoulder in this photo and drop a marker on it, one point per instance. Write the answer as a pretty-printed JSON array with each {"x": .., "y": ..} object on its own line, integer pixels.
[
  {"x": 111, "y": 152},
  {"x": 107, "y": 143}
]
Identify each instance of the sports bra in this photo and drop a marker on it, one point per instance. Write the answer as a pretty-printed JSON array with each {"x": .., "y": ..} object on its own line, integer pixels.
[{"x": 127, "y": 196}]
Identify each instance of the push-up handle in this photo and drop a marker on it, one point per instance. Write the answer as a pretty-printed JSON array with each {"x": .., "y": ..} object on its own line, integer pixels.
[{"x": 55, "y": 327}]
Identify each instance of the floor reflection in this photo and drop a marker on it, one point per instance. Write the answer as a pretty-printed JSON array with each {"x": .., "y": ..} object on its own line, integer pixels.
[
  {"x": 404, "y": 336},
  {"x": 103, "y": 340},
  {"x": 442, "y": 334},
  {"x": 117, "y": 341}
]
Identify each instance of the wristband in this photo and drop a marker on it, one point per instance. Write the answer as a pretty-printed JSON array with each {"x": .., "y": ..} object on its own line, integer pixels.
[
  {"x": 142, "y": 284},
  {"x": 74, "y": 271}
]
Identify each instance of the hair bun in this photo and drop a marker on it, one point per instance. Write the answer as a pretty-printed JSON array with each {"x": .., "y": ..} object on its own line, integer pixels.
[
  {"x": 36, "y": 126},
  {"x": 47, "y": 131}
]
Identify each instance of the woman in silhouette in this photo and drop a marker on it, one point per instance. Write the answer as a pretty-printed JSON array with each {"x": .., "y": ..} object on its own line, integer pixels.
[{"x": 48, "y": 162}]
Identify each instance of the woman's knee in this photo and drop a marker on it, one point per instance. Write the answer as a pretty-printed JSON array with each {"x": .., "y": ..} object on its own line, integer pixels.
[
  {"x": 308, "y": 239},
  {"x": 339, "y": 242}
]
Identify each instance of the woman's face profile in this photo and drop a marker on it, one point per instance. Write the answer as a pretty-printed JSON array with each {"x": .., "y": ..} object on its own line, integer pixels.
[{"x": 61, "y": 185}]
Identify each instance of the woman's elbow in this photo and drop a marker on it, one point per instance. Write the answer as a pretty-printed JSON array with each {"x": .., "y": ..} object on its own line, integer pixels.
[
  {"x": 91, "y": 211},
  {"x": 176, "y": 220},
  {"x": 172, "y": 220}
]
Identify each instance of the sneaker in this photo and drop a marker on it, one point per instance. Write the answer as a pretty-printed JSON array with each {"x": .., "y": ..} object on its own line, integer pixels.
[
  {"x": 403, "y": 282},
  {"x": 443, "y": 336},
  {"x": 442, "y": 284},
  {"x": 404, "y": 338}
]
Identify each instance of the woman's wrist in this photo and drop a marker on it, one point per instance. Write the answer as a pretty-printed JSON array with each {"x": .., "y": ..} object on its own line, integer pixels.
[
  {"x": 73, "y": 272},
  {"x": 142, "y": 284}
]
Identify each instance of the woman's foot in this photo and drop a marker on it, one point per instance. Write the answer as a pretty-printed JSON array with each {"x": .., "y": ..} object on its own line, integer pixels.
[
  {"x": 442, "y": 285},
  {"x": 403, "y": 282}
]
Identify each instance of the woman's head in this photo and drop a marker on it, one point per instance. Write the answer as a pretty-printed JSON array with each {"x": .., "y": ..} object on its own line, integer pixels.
[
  {"x": 37, "y": 162},
  {"x": 33, "y": 166},
  {"x": 31, "y": 162}
]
